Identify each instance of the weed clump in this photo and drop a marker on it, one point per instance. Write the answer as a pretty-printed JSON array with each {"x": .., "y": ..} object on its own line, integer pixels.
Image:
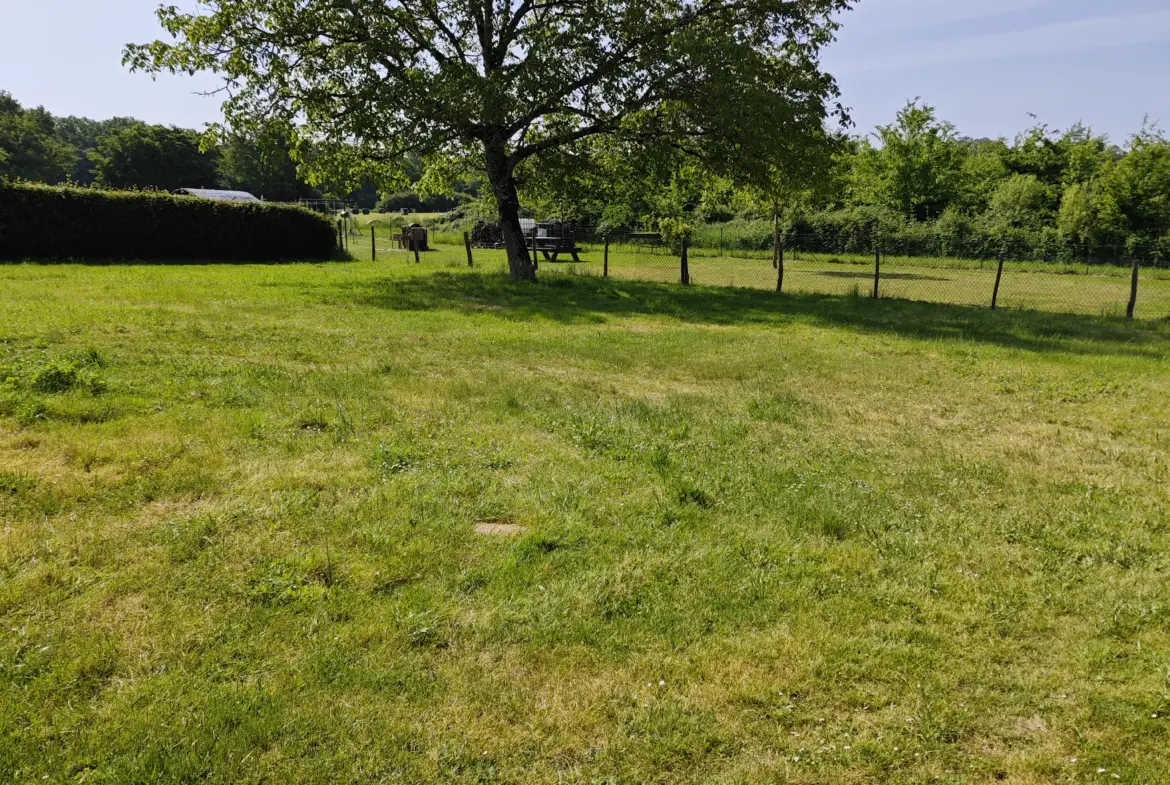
[
  {"x": 55, "y": 379},
  {"x": 13, "y": 483},
  {"x": 688, "y": 493},
  {"x": 389, "y": 459},
  {"x": 78, "y": 371},
  {"x": 275, "y": 582}
]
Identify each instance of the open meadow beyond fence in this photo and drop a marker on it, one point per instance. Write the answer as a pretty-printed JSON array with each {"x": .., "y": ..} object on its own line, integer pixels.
[
  {"x": 1059, "y": 287},
  {"x": 398, "y": 522}
]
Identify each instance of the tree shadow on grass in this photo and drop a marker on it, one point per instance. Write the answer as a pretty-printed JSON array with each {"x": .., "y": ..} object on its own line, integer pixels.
[{"x": 581, "y": 299}]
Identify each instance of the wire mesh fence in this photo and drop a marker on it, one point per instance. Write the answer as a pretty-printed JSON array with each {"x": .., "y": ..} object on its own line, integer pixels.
[{"x": 1121, "y": 281}]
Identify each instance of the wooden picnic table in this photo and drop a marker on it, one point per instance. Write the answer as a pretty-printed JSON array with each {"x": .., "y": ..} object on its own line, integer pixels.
[{"x": 552, "y": 246}]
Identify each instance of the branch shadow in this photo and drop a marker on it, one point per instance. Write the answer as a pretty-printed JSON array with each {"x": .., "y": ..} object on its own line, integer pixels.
[{"x": 583, "y": 299}]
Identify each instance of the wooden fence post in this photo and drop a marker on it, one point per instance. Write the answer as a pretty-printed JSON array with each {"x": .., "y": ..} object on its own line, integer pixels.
[
  {"x": 605, "y": 263},
  {"x": 1133, "y": 287},
  {"x": 780, "y": 267},
  {"x": 686, "y": 272},
  {"x": 877, "y": 271},
  {"x": 998, "y": 278},
  {"x": 467, "y": 245},
  {"x": 373, "y": 246}
]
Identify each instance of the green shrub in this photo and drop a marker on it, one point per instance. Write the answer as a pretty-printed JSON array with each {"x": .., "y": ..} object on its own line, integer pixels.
[
  {"x": 855, "y": 230},
  {"x": 674, "y": 231},
  {"x": 61, "y": 223}
]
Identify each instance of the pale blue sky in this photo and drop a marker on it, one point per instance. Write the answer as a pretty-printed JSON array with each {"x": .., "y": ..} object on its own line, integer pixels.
[{"x": 984, "y": 63}]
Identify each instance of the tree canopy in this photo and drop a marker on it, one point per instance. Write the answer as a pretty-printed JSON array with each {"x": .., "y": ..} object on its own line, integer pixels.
[
  {"x": 30, "y": 148},
  {"x": 165, "y": 158},
  {"x": 261, "y": 163},
  {"x": 1043, "y": 194},
  {"x": 122, "y": 152},
  {"x": 506, "y": 84}
]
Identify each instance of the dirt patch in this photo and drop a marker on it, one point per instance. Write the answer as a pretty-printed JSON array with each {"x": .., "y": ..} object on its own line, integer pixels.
[
  {"x": 1032, "y": 726},
  {"x": 500, "y": 528}
]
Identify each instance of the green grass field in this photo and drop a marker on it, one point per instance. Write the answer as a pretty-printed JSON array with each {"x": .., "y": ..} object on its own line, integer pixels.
[{"x": 375, "y": 522}]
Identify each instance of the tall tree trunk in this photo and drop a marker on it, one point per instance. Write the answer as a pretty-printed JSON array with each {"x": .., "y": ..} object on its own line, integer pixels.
[
  {"x": 503, "y": 183},
  {"x": 775, "y": 235}
]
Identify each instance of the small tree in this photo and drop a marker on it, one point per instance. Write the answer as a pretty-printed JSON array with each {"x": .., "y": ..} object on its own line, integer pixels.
[
  {"x": 1140, "y": 184},
  {"x": 917, "y": 170},
  {"x": 509, "y": 81},
  {"x": 803, "y": 175}
]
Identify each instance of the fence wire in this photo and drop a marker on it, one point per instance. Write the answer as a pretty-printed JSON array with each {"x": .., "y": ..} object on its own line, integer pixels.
[
  {"x": 1101, "y": 284},
  {"x": 1096, "y": 285}
]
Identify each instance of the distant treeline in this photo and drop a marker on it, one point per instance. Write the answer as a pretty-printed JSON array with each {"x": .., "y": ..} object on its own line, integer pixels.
[
  {"x": 917, "y": 183},
  {"x": 924, "y": 189},
  {"x": 126, "y": 153}
]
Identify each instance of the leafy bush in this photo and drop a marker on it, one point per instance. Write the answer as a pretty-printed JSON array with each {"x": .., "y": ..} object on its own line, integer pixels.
[
  {"x": 674, "y": 231},
  {"x": 52, "y": 223}
]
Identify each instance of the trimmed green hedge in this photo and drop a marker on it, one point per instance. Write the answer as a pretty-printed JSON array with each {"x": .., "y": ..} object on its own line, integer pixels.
[{"x": 62, "y": 223}]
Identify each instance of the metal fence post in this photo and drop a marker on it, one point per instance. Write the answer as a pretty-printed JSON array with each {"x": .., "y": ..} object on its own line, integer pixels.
[
  {"x": 998, "y": 278},
  {"x": 1133, "y": 289},
  {"x": 373, "y": 246},
  {"x": 877, "y": 270},
  {"x": 467, "y": 245},
  {"x": 686, "y": 272},
  {"x": 605, "y": 262}
]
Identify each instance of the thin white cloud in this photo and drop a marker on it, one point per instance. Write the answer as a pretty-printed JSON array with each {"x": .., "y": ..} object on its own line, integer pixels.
[
  {"x": 1058, "y": 38},
  {"x": 872, "y": 16}
]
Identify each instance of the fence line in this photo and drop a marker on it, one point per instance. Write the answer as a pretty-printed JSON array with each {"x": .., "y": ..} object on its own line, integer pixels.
[{"x": 1139, "y": 288}]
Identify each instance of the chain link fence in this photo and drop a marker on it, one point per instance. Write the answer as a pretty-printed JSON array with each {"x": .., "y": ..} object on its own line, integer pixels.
[
  {"x": 1113, "y": 282},
  {"x": 862, "y": 266}
]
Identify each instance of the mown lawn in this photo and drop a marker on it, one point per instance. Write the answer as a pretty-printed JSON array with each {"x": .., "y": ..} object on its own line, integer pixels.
[{"x": 377, "y": 522}]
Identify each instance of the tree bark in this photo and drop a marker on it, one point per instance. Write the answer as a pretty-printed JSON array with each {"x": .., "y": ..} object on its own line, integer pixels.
[
  {"x": 775, "y": 235},
  {"x": 503, "y": 182}
]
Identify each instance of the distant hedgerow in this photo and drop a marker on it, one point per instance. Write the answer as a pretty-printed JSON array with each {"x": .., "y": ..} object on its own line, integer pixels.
[{"x": 63, "y": 223}]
